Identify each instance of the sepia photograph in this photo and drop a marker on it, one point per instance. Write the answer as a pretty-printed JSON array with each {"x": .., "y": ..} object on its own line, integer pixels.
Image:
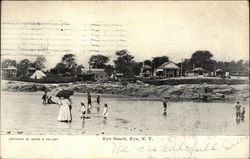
[{"x": 124, "y": 68}]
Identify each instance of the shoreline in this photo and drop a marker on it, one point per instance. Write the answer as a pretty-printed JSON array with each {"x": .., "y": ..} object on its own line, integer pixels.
[{"x": 142, "y": 91}]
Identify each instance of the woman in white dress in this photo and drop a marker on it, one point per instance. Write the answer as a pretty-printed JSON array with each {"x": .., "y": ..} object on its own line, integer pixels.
[{"x": 64, "y": 111}]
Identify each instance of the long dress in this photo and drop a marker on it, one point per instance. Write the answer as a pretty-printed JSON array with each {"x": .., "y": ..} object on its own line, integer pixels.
[
  {"x": 64, "y": 111},
  {"x": 105, "y": 112}
]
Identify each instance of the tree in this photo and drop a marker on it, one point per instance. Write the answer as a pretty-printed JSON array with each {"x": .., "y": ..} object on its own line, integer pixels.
[
  {"x": 186, "y": 65},
  {"x": 124, "y": 63},
  {"x": 79, "y": 69},
  {"x": 8, "y": 62},
  {"x": 109, "y": 69},
  {"x": 22, "y": 67},
  {"x": 157, "y": 61},
  {"x": 246, "y": 64},
  {"x": 202, "y": 59},
  {"x": 98, "y": 61},
  {"x": 69, "y": 60},
  {"x": 137, "y": 68},
  {"x": 60, "y": 68},
  {"x": 148, "y": 62},
  {"x": 39, "y": 62}
]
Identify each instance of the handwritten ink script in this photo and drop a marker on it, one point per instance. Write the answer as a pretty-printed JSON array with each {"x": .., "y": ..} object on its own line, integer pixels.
[{"x": 191, "y": 145}]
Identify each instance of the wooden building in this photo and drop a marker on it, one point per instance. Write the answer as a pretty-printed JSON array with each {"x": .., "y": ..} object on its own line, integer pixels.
[
  {"x": 168, "y": 69},
  {"x": 9, "y": 72}
]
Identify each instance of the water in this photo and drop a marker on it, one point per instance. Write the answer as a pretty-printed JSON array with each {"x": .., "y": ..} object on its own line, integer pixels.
[{"x": 24, "y": 113}]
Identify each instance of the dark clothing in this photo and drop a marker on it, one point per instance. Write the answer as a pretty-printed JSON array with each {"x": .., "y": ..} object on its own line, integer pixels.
[
  {"x": 70, "y": 108},
  {"x": 50, "y": 101},
  {"x": 238, "y": 107},
  {"x": 98, "y": 100},
  {"x": 165, "y": 106},
  {"x": 44, "y": 98},
  {"x": 243, "y": 114},
  {"x": 237, "y": 114},
  {"x": 89, "y": 99}
]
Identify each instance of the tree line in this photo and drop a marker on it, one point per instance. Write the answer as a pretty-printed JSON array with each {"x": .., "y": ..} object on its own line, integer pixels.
[{"x": 125, "y": 63}]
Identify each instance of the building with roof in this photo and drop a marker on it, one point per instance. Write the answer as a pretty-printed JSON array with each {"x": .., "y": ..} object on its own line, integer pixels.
[
  {"x": 146, "y": 71},
  {"x": 38, "y": 74},
  {"x": 242, "y": 73},
  {"x": 198, "y": 72},
  {"x": 168, "y": 69},
  {"x": 99, "y": 74},
  {"x": 219, "y": 72},
  {"x": 9, "y": 72},
  {"x": 30, "y": 70}
]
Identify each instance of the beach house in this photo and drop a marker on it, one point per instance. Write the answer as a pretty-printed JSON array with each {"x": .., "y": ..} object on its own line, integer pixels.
[
  {"x": 99, "y": 74},
  {"x": 9, "y": 72},
  {"x": 146, "y": 71},
  {"x": 168, "y": 69},
  {"x": 242, "y": 73},
  {"x": 197, "y": 72}
]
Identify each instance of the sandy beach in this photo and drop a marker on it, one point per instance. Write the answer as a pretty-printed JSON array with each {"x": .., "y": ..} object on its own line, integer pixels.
[{"x": 24, "y": 113}]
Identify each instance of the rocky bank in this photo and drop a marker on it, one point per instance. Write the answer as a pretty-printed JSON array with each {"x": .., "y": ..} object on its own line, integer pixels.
[{"x": 140, "y": 89}]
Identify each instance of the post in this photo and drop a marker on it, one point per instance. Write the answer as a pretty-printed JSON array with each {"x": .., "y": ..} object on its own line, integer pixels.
[
  {"x": 193, "y": 63},
  {"x": 181, "y": 66}
]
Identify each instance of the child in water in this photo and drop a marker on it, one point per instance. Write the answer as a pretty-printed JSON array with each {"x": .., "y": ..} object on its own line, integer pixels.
[
  {"x": 105, "y": 113},
  {"x": 243, "y": 113},
  {"x": 238, "y": 110},
  {"x": 84, "y": 110},
  {"x": 165, "y": 104},
  {"x": 44, "y": 97},
  {"x": 98, "y": 103},
  {"x": 89, "y": 103}
]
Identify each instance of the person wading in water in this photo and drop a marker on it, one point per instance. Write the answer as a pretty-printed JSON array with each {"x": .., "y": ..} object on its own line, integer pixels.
[{"x": 89, "y": 103}]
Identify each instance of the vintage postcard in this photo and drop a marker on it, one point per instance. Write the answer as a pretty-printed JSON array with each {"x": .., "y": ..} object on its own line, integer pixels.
[{"x": 124, "y": 79}]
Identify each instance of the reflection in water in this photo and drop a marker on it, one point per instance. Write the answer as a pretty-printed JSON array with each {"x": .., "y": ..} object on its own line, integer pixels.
[
  {"x": 242, "y": 119},
  {"x": 63, "y": 125},
  {"x": 237, "y": 120},
  {"x": 105, "y": 121},
  {"x": 124, "y": 115},
  {"x": 83, "y": 122},
  {"x": 165, "y": 114}
]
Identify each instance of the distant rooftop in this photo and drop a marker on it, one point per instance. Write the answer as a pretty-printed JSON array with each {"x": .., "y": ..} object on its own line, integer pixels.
[{"x": 168, "y": 65}]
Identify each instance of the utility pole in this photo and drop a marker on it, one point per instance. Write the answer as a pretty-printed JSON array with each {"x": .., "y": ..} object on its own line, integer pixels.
[
  {"x": 193, "y": 63},
  {"x": 181, "y": 67}
]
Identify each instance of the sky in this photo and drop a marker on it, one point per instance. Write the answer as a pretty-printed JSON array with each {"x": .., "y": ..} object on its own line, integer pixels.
[{"x": 173, "y": 29}]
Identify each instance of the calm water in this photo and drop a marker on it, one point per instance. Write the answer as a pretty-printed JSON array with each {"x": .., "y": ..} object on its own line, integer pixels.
[{"x": 24, "y": 113}]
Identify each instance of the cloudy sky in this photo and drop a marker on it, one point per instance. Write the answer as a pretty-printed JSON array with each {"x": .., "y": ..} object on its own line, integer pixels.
[{"x": 175, "y": 29}]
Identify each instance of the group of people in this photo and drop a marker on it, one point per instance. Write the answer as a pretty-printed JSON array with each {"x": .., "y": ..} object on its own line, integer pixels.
[
  {"x": 65, "y": 104},
  {"x": 87, "y": 109},
  {"x": 240, "y": 112},
  {"x": 47, "y": 99}
]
